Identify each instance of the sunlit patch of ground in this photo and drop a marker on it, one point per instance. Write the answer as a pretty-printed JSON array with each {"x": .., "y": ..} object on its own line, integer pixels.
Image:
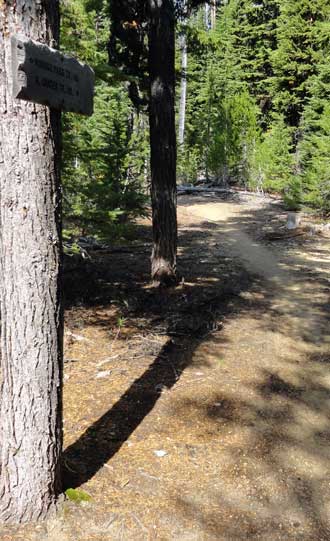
[{"x": 202, "y": 414}]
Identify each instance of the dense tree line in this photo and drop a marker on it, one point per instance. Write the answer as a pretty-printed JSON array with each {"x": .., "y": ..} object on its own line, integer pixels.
[
  {"x": 105, "y": 157},
  {"x": 258, "y": 99},
  {"x": 141, "y": 57},
  {"x": 254, "y": 92}
]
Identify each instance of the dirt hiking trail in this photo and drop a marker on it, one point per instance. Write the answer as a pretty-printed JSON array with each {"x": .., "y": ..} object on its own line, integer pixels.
[
  {"x": 296, "y": 295},
  {"x": 202, "y": 414}
]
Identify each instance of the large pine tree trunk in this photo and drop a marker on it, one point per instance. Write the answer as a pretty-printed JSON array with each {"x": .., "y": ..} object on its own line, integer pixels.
[
  {"x": 163, "y": 140},
  {"x": 31, "y": 315}
]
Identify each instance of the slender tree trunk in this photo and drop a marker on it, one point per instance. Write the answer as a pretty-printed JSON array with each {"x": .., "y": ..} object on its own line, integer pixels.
[
  {"x": 163, "y": 140},
  {"x": 207, "y": 16},
  {"x": 183, "y": 96},
  {"x": 30, "y": 254},
  {"x": 213, "y": 14}
]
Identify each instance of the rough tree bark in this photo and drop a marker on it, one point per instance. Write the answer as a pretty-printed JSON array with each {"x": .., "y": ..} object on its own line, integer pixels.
[
  {"x": 163, "y": 140},
  {"x": 31, "y": 315}
]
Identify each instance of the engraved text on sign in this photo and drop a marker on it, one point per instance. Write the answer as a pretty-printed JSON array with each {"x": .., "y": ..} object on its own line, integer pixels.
[{"x": 46, "y": 76}]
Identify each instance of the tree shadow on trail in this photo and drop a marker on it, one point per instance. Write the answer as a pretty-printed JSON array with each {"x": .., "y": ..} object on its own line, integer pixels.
[
  {"x": 280, "y": 465},
  {"x": 271, "y": 482},
  {"x": 101, "y": 441},
  {"x": 187, "y": 315},
  {"x": 104, "y": 438},
  {"x": 295, "y": 267}
]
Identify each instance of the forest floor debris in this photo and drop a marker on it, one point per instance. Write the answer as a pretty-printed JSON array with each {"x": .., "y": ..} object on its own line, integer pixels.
[{"x": 213, "y": 420}]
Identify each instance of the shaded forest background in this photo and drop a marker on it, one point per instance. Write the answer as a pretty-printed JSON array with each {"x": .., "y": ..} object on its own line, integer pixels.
[{"x": 256, "y": 113}]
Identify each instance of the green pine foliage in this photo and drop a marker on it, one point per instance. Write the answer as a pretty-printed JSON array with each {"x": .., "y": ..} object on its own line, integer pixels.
[
  {"x": 315, "y": 177},
  {"x": 273, "y": 159},
  {"x": 257, "y": 113},
  {"x": 255, "y": 40},
  {"x": 258, "y": 99},
  {"x": 104, "y": 156},
  {"x": 314, "y": 147},
  {"x": 221, "y": 114},
  {"x": 233, "y": 138},
  {"x": 296, "y": 57}
]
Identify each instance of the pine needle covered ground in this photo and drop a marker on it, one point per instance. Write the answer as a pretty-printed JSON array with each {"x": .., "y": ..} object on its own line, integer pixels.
[{"x": 202, "y": 413}]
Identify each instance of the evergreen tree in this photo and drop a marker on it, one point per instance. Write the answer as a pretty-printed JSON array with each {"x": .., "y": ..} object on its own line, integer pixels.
[
  {"x": 316, "y": 175},
  {"x": 273, "y": 160},
  {"x": 104, "y": 156},
  {"x": 191, "y": 162},
  {"x": 255, "y": 40},
  {"x": 222, "y": 117},
  {"x": 297, "y": 55},
  {"x": 314, "y": 147},
  {"x": 142, "y": 45},
  {"x": 256, "y": 91},
  {"x": 31, "y": 315}
]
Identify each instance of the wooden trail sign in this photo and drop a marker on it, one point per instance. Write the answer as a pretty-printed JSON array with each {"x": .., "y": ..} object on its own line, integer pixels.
[{"x": 46, "y": 76}]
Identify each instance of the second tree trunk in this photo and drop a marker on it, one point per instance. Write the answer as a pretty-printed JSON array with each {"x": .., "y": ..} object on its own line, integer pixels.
[{"x": 163, "y": 140}]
